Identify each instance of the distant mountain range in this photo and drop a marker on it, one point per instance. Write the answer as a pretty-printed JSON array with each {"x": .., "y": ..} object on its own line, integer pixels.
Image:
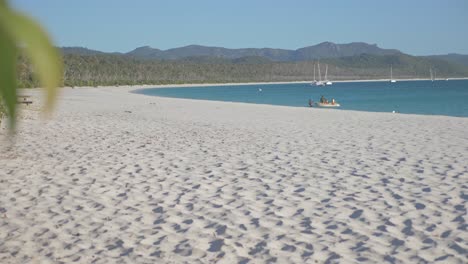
[
  {"x": 324, "y": 50},
  {"x": 200, "y": 64},
  {"x": 80, "y": 51}
]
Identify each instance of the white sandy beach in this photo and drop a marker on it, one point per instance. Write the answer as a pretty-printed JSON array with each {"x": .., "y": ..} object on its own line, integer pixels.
[{"x": 117, "y": 177}]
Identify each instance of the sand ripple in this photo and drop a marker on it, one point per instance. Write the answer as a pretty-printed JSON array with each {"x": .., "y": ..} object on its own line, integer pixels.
[{"x": 124, "y": 178}]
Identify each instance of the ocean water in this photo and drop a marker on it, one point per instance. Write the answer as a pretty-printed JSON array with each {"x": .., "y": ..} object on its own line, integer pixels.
[{"x": 440, "y": 97}]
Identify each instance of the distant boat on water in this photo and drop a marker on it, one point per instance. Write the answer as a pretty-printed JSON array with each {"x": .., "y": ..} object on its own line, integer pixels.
[
  {"x": 327, "y": 105},
  {"x": 432, "y": 77},
  {"x": 391, "y": 75},
  {"x": 319, "y": 82}
]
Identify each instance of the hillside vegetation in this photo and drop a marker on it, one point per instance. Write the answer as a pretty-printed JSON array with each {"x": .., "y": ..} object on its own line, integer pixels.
[
  {"x": 93, "y": 69},
  {"x": 319, "y": 51},
  {"x": 458, "y": 58}
]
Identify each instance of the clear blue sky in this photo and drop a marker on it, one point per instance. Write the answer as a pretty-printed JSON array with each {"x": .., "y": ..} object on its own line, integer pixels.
[{"x": 418, "y": 27}]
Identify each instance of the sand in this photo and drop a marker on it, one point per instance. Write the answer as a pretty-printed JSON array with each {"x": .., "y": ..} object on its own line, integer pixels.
[{"x": 116, "y": 177}]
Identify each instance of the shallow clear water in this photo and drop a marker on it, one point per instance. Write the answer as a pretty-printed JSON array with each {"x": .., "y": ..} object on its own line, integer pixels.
[{"x": 413, "y": 97}]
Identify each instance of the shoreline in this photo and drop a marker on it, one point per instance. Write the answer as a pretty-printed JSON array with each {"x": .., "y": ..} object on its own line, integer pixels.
[
  {"x": 136, "y": 91},
  {"x": 133, "y": 89},
  {"x": 144, "y": 86}
]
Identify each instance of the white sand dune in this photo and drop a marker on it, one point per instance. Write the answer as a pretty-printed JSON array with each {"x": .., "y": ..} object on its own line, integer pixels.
[{"x": 116, "y": 177}]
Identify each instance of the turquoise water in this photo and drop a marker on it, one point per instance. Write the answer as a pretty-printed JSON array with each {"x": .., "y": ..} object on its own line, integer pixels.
[{"x": 412, "y": 97}]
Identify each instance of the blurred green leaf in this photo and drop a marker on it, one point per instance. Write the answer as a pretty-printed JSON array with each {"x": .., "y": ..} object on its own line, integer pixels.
[
  {"x": 19, "y": 31},
  {"x": 8, "y": 74}
]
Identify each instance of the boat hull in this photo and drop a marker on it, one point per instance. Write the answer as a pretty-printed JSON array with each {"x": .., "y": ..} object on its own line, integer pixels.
[
  {"x": 318, "y": 83},
  {"x": 327, "y": 105}
]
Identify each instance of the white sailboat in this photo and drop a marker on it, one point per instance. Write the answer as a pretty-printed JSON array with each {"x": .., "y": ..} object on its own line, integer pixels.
[
  {"x": 391, "y": 75},
  {"x": 432, "y": 77},
  {"x": 319, "y": 82},
  {"x": 327, "y": 82}
]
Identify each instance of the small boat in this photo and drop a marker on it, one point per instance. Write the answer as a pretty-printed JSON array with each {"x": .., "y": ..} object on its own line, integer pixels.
[{"x": 327, "y": 105}]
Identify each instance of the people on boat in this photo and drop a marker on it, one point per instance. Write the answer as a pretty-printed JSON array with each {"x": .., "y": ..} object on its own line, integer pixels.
[
  {"x": 325, "y": 103},
  {"x": 323, "y": 100}
]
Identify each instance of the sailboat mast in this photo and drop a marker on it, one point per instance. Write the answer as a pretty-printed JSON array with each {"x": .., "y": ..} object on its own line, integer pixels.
[
  {"x": 391, "y": 75},
  {"x": 314, "y": 73},
  {"x": 326, "y": 72},
  {"x": 320, "y": 77},
  {"x": 430, "y": 70}
]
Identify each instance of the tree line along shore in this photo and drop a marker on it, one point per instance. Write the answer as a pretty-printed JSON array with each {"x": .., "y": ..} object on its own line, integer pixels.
[{"x": 105, "y": 69}]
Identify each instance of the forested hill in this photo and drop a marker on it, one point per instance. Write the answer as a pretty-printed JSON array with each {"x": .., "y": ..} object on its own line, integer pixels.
[
  {"x": 322, "y": 50},
  {"x": 453, "y": 57},
  {"x": 93, "y": 69}
]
